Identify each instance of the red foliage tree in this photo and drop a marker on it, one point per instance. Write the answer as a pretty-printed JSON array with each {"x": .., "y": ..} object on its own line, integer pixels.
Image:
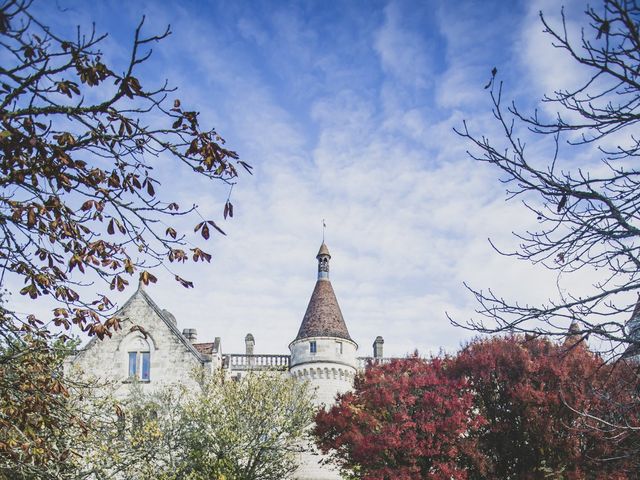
[
  {"x": 545, "y": 411},
  {"x": 502, "y": 408},
  {"x": 404, "y": 420}
]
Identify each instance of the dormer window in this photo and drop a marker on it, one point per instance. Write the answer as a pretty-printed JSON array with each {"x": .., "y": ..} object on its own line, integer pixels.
[
  {"x": 312, "y": 346},
  {"x": 140, "y": 365}
]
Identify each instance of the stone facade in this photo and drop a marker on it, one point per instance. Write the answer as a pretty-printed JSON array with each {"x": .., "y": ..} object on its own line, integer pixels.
[
  {"x": 146, "y": 330},
  {"x": 151, "y": 348}
]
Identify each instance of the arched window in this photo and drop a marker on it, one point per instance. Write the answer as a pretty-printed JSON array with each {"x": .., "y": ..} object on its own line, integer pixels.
[
  {"x": 140, "y": 365},
  {"x": 138, "y": 357}
]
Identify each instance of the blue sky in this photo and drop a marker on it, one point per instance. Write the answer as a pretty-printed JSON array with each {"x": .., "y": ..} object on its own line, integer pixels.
[{"x": 346, "y": 111}]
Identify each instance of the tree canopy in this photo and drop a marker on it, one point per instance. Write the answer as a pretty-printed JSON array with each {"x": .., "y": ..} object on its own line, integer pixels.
[
  {"x": 79, "y": 142},
  {"x": 251, "y": 428},
  {"x": 403, "y": 420},
  {"x": 545, "y": 410},
  {"x": 80, "y": 206},
  {"x": 502, "y": 408}
]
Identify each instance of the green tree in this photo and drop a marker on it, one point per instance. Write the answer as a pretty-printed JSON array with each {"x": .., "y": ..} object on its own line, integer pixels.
[
  {"x": 249, "y": 429},
  {"x": 134, "y": 437}
]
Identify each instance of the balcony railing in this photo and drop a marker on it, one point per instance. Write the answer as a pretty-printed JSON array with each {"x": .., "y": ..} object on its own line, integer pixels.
[{"x": 236, "y": 361}]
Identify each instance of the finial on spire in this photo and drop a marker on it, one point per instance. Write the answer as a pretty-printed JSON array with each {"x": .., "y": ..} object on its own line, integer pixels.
[{"x": 324, "y": 226}]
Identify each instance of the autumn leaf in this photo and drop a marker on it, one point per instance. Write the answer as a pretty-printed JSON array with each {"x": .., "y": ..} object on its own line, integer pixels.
[
  {"x": 183, "y": 282},
  {"x": 146, "y": 277}
]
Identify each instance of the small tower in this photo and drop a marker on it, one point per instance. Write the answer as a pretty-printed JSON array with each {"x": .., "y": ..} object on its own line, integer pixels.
[
  {"x": 249, "y": 344},
  {"x": 633, "y": 334},
  {"x": 377, "y": 347},
  {"x": 574, "y": 336},
  {"x": 323, "y": 354}
]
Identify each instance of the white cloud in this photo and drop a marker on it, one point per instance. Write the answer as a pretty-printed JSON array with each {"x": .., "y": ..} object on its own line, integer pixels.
[
  {"x": 408, "y": 213},
  {"x": 403, "y": 53}
]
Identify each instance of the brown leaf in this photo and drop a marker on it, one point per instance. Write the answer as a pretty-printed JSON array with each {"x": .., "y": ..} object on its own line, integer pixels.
[
  {"x": 184, "y": 283},
  {"x": 213, "y": 224},
  {"x": 146, "y": 277},
  {"x": 171, "y": 232},
  {"x": 31, "y": 217}
]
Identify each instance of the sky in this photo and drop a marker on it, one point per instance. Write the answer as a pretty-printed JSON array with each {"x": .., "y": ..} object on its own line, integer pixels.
[{"x": 346, "y": 111}]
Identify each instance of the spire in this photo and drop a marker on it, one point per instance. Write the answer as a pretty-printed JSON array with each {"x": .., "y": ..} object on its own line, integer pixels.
[
  {"x": 323, "y": 262},
  {"x": 574, "y": 336},
  {"x": 633, "y": 325},
  {"x": 574, "y": 328},
  {"x": 323, "y": 317},
  {"x": 633, "y": 332}
]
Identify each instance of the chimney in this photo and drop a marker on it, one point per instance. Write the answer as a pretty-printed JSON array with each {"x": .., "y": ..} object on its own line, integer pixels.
[
  {"x": 377, "y": 347},
  {"x": 190, "y": 334},
  {"x": 249, "y": 343}
]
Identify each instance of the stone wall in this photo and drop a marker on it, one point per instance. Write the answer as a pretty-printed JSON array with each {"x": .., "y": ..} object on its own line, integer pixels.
[{"x": 330, "y": 370}]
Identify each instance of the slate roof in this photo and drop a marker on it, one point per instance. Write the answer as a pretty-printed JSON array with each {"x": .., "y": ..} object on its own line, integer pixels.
[
  {"x": 206, "y": 348},
  {"x": 323, "y": 317}
]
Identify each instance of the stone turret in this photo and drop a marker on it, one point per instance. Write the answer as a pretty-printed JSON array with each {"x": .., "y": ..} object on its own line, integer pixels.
[
  {"x": 323, "y": 354},
  {"x": 633, "y": 334}
]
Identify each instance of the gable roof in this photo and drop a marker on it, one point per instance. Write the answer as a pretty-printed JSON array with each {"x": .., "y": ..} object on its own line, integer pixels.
[{"x": 164, "y": 316}]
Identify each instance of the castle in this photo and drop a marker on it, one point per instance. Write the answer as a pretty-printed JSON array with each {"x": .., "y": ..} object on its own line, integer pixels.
[{"x": 151, "y": 350}]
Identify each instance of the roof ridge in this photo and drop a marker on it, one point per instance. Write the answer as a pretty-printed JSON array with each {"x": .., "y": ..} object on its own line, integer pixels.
[{"x": 173, "y": 327}]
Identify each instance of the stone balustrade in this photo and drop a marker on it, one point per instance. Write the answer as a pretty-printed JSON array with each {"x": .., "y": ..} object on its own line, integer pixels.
[
  {"x": 364, "y": 361},
  {"x": 238, "y": 361}
]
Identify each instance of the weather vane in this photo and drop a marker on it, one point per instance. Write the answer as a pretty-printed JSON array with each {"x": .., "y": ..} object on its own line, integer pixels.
[{"x": 324, "y": 226}]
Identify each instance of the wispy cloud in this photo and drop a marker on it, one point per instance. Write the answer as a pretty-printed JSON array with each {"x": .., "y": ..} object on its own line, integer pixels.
[{"x": 346, "y": 112}]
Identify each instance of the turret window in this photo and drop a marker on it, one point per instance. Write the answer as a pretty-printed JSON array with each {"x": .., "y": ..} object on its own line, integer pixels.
[
  {"x": 313, "y": 347},
  {"x": 339, "y": 347}
]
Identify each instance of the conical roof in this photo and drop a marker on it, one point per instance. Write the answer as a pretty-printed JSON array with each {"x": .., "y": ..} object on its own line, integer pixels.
[
  {"x": 324, "y": 250},
  {"x": 323, "y": 317}
]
